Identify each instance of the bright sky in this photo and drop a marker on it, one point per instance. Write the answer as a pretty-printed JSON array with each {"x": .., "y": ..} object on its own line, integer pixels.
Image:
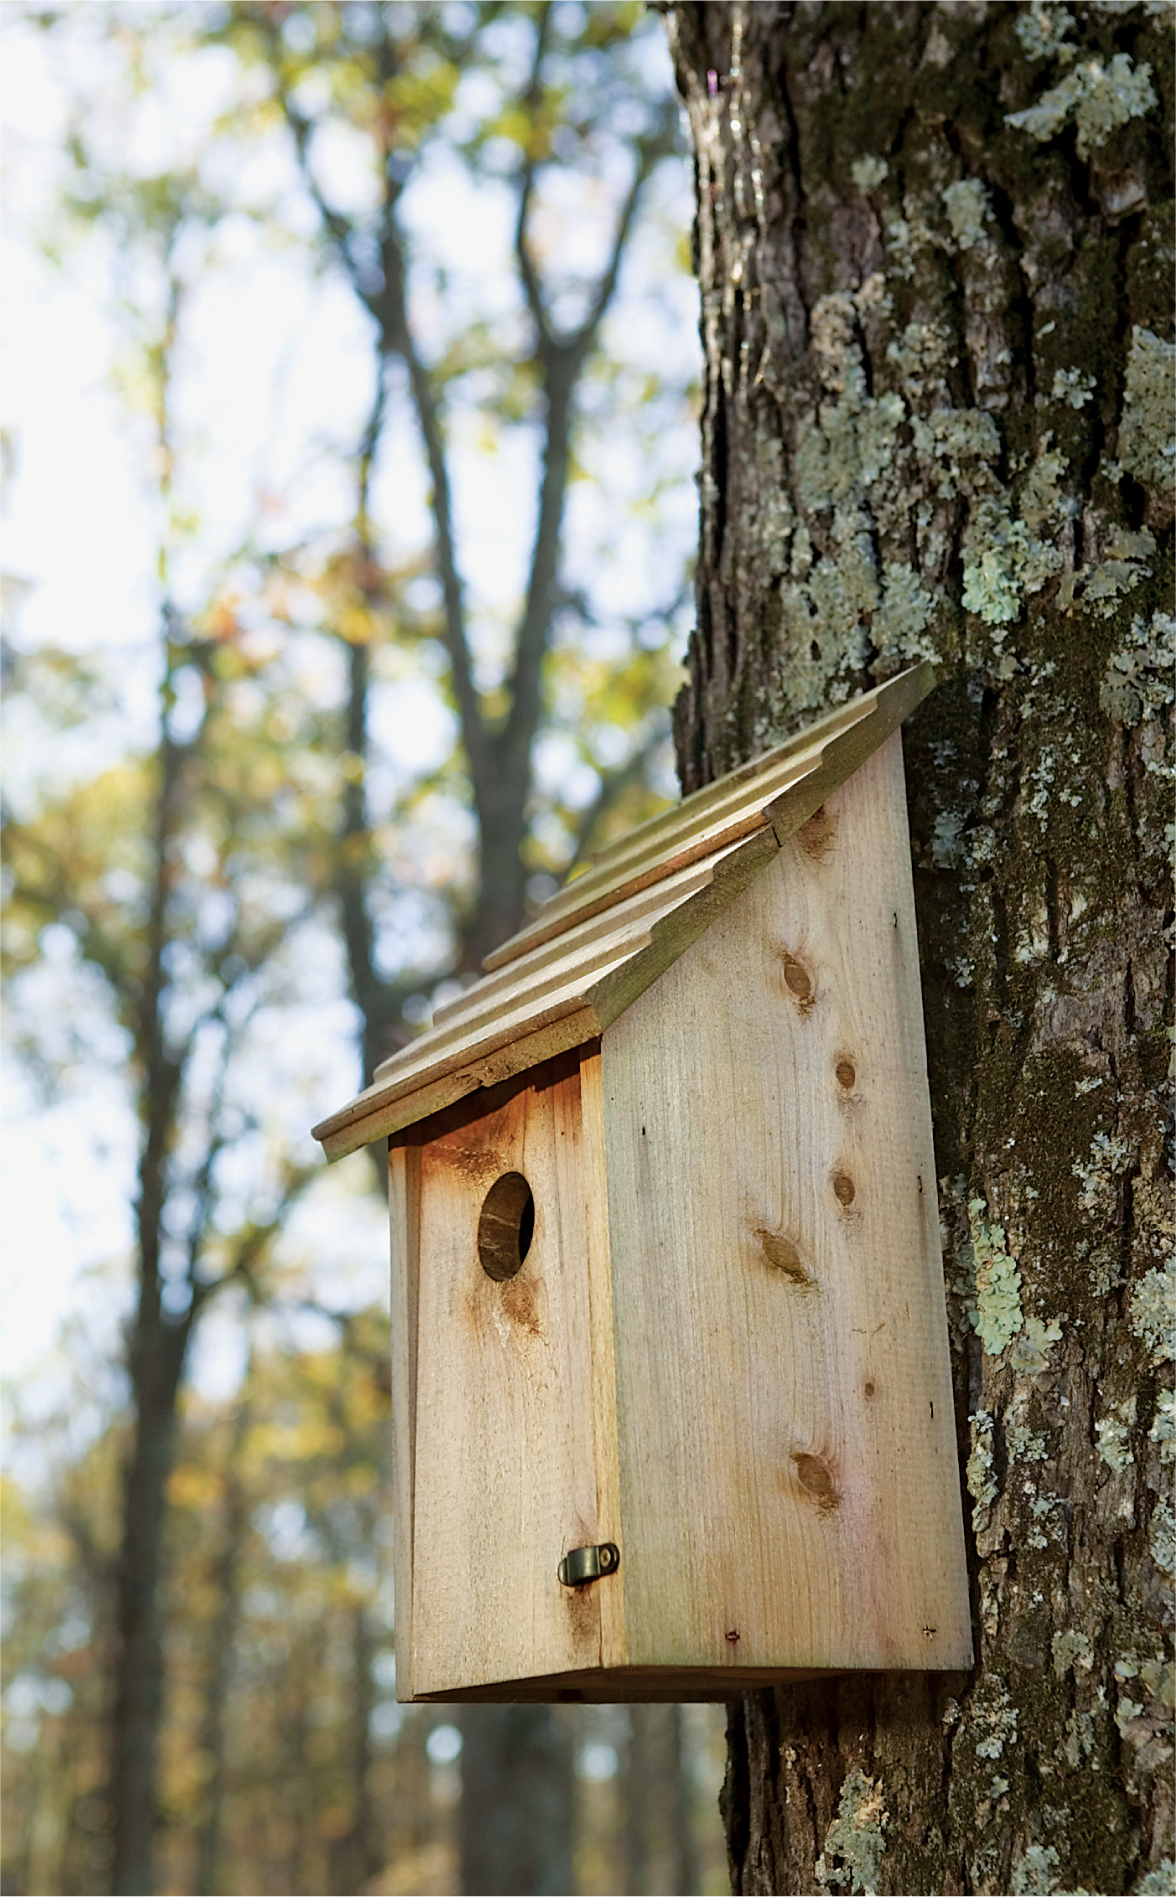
[{"x": 275, "y": 383}]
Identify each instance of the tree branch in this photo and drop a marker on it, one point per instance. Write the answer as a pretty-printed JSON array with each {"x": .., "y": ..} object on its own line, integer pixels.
[
  {"x": 612, "y": 787},
  {"x": 529, "y": 276}
]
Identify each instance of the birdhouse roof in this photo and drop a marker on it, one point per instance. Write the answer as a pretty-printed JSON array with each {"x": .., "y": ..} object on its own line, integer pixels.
[{"x": 588, "y": 953}]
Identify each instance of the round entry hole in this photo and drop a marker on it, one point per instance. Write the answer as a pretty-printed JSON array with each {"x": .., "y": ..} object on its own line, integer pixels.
[{"x": 506, "y": 1227}]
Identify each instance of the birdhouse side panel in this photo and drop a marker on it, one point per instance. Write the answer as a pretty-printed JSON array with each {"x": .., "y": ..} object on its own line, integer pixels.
[
  {"x": 404, "y": 1219},
  {"x": 789, "y": 1479},
  {"x": 504, "y": 1476}
]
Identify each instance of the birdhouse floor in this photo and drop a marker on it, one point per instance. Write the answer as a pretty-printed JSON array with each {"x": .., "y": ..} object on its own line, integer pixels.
[{"x": 626, "y": 1684}]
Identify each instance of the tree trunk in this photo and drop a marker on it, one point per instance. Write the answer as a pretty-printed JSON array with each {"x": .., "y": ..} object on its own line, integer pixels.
[
  {"x": 934, "y": 252},
  {"x": 156, "y": 1359},
  {"x": 638, "y": 1790},
  {"x": 687, "y": 1875},
  {"x": 221, "y": 1654},
  {"x": 510, "y": 1842}
]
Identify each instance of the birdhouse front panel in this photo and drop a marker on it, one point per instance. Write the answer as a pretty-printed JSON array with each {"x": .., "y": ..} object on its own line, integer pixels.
[
  {"x": 789, "y": 1481},
  {"x": 507, "y": 1251},
  {"x": 671, "y": 1393}
]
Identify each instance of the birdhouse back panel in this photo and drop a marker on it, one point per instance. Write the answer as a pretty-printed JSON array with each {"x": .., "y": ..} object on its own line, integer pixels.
[{"x": 789, "y": 1479}]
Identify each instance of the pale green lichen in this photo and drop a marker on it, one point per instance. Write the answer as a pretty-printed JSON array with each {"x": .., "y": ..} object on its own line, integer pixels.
[
  {"x": 994, "y": 1716},
  {"x": 1042, "y": 31},
  {"x": 1098, "y": 98},
  {"x": 1161, "y": 1538},
  {"x": 1031, "y": 1348},
  {"x": 966, "y": 204},
  {"x": 1155, "y": 1676},
  {"x": 855, "y": 1841},
  {"x": 995, "y": 1312},
  {"x": 946, "y": 847},
  {"x": 868, "y": 173},
  {"x": 922, "y": 355},
  {"x": 1003, "y": 560},
  {"x": 1111, "y": 1435},
  {"x": 963, "y": 442},
  {"x": 1036, "y": 1870},
  {"x": 980, "y": 1472},
  {"x": 1109, "y": 1157},
  {"x": 904, "y": 614},
  {"x": 836, "y": 606},
  {"x": 1039, "y": 1508},
  {"x": 1138, "y": 681},
  {"x": 905, "y": 238},
  {"x": 1079, "y": 1739},
  {"x": 1152, "y": 1311},
  {"x": 1024, "y": 1444},
  {"x": 1161, "y": 1882},
  {"x": 1147, "y": 448},
  {"x": 1042, "y": 498},
  {"x": 1121, "y": 572},
  {"x": 1073, "y": 386},
  {"x": 1163, "y": 1429},
  {"x": 1071, "y": 1649}
]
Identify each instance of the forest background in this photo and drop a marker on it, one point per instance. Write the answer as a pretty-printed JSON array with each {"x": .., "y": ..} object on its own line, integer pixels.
[{"x": 349, "y": 470}]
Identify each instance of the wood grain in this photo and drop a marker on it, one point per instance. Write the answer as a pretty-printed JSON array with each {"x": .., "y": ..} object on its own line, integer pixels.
[
  {"x": 789, "y": 1480},
  {"x": 404, "y": 1210},
  {"x": 504, "y": 1441},
  {"x": 613, "y": 1646}
]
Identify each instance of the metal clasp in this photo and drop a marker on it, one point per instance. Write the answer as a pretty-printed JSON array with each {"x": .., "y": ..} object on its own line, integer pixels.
[{"x": 581, "y": 1565}]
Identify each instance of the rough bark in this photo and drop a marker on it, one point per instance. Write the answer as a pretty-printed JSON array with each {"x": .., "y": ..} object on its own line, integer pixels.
[{"x": 937, "y": 385}]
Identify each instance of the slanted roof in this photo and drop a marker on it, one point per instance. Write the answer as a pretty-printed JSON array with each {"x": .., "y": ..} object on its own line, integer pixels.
[{"x": 596, "y": 945}]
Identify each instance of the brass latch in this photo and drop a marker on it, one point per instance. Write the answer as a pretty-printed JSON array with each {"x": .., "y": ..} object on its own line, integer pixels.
[{"x": 581, "y": 1565}]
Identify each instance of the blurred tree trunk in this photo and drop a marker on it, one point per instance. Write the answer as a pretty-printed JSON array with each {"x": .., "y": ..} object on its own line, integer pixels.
[
  {"x": 357, "y": 1856},
  {"x": 639, "y": 1780},
  {"x": 156, "y": 1350},
  {"x": 660, "y": 1849},
  {"x": 934, "y": 252},
  {"x": 515, "y": 1824},
  {"x": 686, "y": 1872},
  {"x": 223, "y": 1634}
]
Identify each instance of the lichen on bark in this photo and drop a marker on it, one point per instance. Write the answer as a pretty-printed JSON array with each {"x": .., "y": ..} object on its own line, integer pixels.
[{"x": 935, "y": 252}]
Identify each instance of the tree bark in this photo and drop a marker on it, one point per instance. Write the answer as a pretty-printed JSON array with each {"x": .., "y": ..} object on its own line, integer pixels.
[{"x": 933, "y": 243}]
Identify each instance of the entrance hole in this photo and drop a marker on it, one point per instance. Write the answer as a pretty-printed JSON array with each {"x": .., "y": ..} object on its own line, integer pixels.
[{"x": 506, "y": 1226}]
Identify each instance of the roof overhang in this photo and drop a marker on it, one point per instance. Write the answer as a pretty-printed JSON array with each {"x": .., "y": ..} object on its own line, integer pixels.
[{"x": 601, "y": 940}]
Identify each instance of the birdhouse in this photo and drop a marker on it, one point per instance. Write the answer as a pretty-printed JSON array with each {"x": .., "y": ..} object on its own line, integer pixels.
[{"x": 672, "y": 1403}]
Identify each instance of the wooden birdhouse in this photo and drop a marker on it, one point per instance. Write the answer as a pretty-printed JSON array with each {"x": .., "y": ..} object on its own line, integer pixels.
[{"x": 673, "y": 1411}]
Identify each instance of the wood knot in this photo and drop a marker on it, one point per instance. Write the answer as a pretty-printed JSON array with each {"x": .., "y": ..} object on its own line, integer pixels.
[
  {"x": 846, "y": 1074},
  {"x": 521, "y": 1305},
  {"x": 797, "y": 980},
  {"x": 782, "y": 1255},
  {"x": 819, "y": 834},
  {"x": 732, "y": 1634},
  {"x": 844, "y": 1190},
  {"x": 816, "y": 1481}
]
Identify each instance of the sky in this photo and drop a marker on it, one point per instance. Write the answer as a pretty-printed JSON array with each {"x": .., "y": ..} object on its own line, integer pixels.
[{"x": 275, "y": 383}]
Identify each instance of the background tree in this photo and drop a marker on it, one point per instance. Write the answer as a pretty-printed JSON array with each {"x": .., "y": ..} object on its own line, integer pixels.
[
  {"x": 934, "y": 245},
  {"x": 165, "y": 881},
  {"x": 268, "y": 772},
  {"x": 562, "y": 97}
]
